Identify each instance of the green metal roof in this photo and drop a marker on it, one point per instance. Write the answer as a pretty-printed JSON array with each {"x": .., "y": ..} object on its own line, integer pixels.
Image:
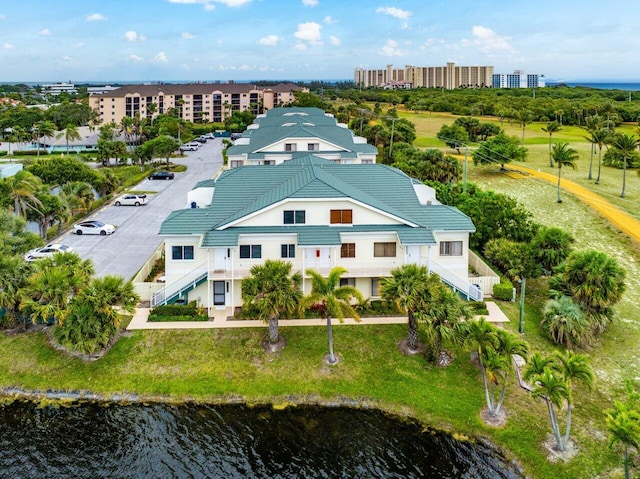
[{"x": 244, "y": 191}]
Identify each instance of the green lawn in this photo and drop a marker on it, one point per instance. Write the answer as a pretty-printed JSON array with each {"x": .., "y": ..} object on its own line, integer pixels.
[{"x": 218, "y": 365}]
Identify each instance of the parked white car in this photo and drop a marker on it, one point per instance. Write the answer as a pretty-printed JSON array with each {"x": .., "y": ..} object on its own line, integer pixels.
[
  {"x": 188, "y": 147},
  {"x": 93, "y": 228},
  {"x": 47, "y": 251},
  {"x": 131, "y": 200}
]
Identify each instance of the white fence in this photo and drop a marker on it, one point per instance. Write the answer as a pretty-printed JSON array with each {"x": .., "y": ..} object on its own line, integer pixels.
[{"x": 144, "y": 289}]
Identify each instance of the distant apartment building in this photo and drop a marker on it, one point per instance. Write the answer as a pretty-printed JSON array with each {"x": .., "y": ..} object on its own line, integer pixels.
[
  {"x": 449, "y": 77},
  {"x": 193, "y": 102},
  {"x": 517, "y": 79}
]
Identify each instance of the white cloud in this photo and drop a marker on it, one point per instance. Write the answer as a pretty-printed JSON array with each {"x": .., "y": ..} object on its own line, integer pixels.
[
  {"x": 187, "y": 36},
  {"x": 136, "y": 58},
  {"x": 300, "y": 47},
  {"x": 309, "y": 32},
  {"x": 8, "y": 46},
  {"x": 210, "y": 4},
  {"x": 94, "y": 17},
  {"x": 67, "y": 59},
  {"x": 328, "y": 20},
  {"x": 487, "y": 41},
  {"x": 395, "y": 12},
  {"x": 390, "y": 49},
  {"x": 45, "y": 33},
  {"x": 132, "y": 36},
  {"x": 160, "y": 58},
  {"x": 269, "y": 40},
  {"x": 310, "y": 3},
  {"x": 335, "y": 41}
]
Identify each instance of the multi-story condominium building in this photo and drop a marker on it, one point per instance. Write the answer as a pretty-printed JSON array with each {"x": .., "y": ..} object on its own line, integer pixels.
[
  {"x": 316, "y": 214},
  {"x": 284, "y": 133},
  {"x": 194, "y": 102},
  {"x": 517, "y": 79},
  {"x": 449, "y": 77}
]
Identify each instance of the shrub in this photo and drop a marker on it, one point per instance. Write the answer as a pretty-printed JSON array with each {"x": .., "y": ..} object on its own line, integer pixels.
[
  {"x": 4, "y": 152},
  {"x": 503, "y": 290},
  {"x": 480, "y": 307},
  {"x": 175, "y": 310}
]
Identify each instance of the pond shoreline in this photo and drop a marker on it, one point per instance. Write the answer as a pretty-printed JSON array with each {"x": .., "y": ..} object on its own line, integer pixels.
[{"x": 76, "y": 398}]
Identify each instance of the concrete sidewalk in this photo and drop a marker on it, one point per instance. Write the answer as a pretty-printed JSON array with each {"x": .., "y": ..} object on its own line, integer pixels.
[{"x": 139, "y": 321}]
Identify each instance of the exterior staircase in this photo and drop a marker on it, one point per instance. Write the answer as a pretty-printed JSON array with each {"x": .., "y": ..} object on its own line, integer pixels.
[
  {"x": 176, "y": 290},
  {"x": 461, "y": 286}
]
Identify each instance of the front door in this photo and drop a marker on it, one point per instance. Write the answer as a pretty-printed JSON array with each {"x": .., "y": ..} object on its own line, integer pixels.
[{"x": 219, "y": 289}]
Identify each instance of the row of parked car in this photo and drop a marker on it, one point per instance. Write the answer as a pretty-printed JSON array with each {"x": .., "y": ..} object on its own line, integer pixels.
[{"x": 195, "y": 144}]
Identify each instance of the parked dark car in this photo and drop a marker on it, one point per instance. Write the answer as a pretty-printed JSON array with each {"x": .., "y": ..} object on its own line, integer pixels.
[{"x": 161, "y": 175}]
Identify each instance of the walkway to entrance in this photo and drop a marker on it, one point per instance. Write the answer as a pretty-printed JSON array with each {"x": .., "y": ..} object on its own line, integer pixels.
[{"x": 220, "y": 320}]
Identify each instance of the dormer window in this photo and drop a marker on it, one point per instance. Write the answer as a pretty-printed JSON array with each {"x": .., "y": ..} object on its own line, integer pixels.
[
  {"x": 294, "y": 217},
  {"x": 341, "y": 217},
  {"x": 290, "y": 147}
]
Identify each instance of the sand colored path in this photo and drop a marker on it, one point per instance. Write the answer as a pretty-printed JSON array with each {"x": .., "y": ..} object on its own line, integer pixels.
[{"x": 615, "y": 215}]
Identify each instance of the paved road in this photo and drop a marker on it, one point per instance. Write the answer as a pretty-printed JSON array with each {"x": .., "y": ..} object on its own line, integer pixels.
[{"x": 124, "y": 252}]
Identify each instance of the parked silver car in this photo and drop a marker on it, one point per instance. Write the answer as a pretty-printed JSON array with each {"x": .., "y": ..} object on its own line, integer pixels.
[
  {"x": 47, "y": 251},
  {"x": 131, "y": 200}
]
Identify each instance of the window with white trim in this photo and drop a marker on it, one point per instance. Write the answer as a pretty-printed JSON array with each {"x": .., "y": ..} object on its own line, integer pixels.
[
  {"x": 290, "y": 147},
  {"x": 348, "y": 250},
  {"x": 182, "y": 252},
  {"x": 250, "y": 251},
  {"x": 294, "y": 217},
  {"x": 313, "y": 146},
  {"x": 451, "y": 248},
  {"x": 384, "y": 250},
  {"x": 288, "y": 251},
  {"x": 348, "y": 282}
]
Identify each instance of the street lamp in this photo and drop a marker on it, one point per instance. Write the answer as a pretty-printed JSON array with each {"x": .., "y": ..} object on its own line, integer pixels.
[
  {"x": 393, "y": 124},
  {"x": 523, "y": 286}
]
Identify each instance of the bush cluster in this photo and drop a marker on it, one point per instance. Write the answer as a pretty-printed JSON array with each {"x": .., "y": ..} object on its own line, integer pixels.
[{"x": 503, "y": 290}]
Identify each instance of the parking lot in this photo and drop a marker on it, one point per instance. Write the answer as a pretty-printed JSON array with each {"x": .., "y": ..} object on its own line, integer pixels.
[{"x": 136, "y": 235}]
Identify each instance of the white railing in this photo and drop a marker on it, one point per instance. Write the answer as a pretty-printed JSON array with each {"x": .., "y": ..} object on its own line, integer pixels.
[
  {"x": 462, "y": 285},
  {"x": 189, "y": 280}
]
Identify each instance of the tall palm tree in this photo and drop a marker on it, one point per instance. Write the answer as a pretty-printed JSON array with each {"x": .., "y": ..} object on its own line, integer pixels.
[
  {"x": 524, "y": 117},
  {"x": 152, "y": 108},
  {"x": 626, "y": 144},
  {"x": 623, "y": 426},
  {"x": 592, "y": 124},
  {"x": 408, "y": 287},
  {"x": 42, "y": 129},
  {"x": 563, "y": 155},
  {"x": 22, "y": 188},
  {"x": 14, "y": 272},
  {"x": 551, "y": 128},
  {"x": 273, "y": 291},
  {"x": 552, "y": 380},
  {"x": 334, "y": 300},
  {"x": 70, "y": 133}
]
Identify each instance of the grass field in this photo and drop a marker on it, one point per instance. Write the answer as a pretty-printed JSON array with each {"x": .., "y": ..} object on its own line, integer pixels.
[{"x": 221, "y": 365}]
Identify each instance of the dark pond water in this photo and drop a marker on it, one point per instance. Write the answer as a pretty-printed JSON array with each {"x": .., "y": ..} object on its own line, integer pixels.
[{"x": 195, "y": 441}]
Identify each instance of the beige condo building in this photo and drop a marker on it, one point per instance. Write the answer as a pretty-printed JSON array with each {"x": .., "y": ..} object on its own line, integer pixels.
[
  {"x": 449, "y": 76},
  {"x": 194, "y": 102}
]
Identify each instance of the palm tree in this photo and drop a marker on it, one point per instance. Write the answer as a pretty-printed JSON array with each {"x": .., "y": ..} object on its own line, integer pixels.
[
  {"x": 14, "y": 272},
  {"x": 334, "y": 300},
  {"x": 22, "y": 188},
  {"x": 78, "y": 195},
  {"x": 495, "y": 349},
  {"x": 626, "y": 145},
  {"x": 553, "y": 379},
  {"x": 623, "y": 426},
  {"x": 592, "y": 124},
  {"x": 70, "y": 133},
  {"x": 408, "y": 287},
  {"x": 152, "y": 108},
  {"x": 44, "y": 128},
  {"x": 440, "y": 323},
  {"x": 600, "y": 137},
  {"x": 564, "y": 322},
  {"x": 551, "y": 128},
  {"x": 563, "y": 155},
  {"x": 273, "y": 291}
]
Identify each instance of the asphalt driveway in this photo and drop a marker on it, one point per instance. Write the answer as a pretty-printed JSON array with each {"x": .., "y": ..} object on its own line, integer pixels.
[{"x": 136, "y": 237}]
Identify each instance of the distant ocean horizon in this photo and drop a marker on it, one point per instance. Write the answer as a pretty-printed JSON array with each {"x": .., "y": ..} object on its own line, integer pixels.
[{"x": 603, "y": 85}]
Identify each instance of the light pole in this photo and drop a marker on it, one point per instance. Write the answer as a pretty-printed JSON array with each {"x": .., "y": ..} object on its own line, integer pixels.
[
  {"x": 523, "y": 287},
  {"x": 393, "y": 124}
]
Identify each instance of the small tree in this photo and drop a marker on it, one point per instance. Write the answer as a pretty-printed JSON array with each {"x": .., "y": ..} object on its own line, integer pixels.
[
  {"x": 551, "y": 128},
  {"x": 454, "y": 136},
  {"x": 273, "y": 291},
  {"x": 500, "y": 149},
  {"x": 565, "y": 156},
  {"x": 333, "y": 300},
  {"x": 623, "y": 426}
]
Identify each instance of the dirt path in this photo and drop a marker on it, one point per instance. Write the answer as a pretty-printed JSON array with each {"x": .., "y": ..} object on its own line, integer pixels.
[{"x": 617, "y": 217}]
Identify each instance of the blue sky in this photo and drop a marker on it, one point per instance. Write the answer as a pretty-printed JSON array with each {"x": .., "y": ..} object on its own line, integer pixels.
[{"x": 208, "y": 40}]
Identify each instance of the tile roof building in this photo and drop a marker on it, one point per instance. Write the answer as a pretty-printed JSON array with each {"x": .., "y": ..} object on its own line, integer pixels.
[
  {"x": 314, "y": 213},
  {"x": 285, "y": 133}
]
